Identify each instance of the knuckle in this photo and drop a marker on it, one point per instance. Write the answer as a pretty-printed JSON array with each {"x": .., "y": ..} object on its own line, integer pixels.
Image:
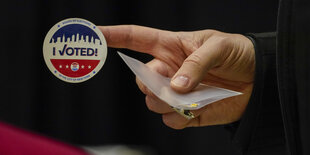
[
  {"x": 224, "y": 46},
  {"x": 224, "y": 42},
  {"x": 153, "y": 105},
  {"x": 194, "y": 60},
  {"x": 141, "y": 86},
  {"x": 150, "y": 93},
  {"x": 129, "y": 35},
  {"x": 168, "y": 121},
  {"x": 210, "y": 32},
  {"x": 144, "y": 89},
  {"x": 149, "y": 104}
]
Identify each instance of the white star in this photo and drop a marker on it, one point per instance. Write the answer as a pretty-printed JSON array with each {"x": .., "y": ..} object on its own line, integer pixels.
[
  {"x": 89, "y": 67},
  {"x": 60, "y": 66},
  {"x": 82, "y": 66},
  {"x": 67, "y": 66}
]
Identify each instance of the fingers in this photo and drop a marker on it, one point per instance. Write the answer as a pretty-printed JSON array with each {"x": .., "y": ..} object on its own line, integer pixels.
[
  {"x": 133, "y": 37},
  {"x": 170, "y": 117},
  {"x": 158, "y": 106},
  {"x": 154, "y": 103},
  {"x": 157, "y": 66},
  {"x": 195, "y": 67},
  {"x": 175, "y": 120}
]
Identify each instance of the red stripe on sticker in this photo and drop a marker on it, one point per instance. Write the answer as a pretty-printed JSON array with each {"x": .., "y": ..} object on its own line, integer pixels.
[{"x": 74, "y": 67}]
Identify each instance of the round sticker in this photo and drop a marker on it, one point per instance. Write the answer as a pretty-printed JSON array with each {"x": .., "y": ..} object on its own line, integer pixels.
[{"x": 74, "y": 50}]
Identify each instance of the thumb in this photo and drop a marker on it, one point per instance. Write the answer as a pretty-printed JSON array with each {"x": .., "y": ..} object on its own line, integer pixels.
[{"x": 194, "y": 68}]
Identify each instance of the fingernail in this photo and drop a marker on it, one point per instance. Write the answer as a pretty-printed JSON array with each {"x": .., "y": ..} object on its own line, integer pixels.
[{"x": 180, "y": 81}]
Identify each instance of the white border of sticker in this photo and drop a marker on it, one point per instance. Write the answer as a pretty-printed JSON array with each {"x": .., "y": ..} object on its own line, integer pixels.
[{"x": 102, "y": 53}]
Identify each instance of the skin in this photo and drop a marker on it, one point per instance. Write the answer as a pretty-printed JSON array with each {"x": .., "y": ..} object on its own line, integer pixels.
[{"x": 208, "y": 56}]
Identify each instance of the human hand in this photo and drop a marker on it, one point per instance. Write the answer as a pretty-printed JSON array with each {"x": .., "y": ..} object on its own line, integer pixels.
[{"x": 208, "y": 56}]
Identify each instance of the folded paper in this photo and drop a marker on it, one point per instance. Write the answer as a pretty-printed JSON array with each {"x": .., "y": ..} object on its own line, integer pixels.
[{"x": 160, "y": 86}]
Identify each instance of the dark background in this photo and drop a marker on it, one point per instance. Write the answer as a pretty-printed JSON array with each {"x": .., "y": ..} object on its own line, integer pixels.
[{"x": 109, "y": 109}]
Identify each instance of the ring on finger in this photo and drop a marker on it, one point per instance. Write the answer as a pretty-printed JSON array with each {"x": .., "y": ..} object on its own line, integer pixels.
[{"x": 185, "y": 113}]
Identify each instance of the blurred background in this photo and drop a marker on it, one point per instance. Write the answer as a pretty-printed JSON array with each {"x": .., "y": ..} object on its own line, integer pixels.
[{"x": 109, "y": 109}]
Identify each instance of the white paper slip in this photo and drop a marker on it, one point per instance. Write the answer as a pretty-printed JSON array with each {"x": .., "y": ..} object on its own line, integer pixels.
[{"x": 160, "y": 86}]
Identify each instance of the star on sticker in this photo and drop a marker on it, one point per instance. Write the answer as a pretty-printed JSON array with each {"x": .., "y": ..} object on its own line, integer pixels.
[
  {"x": 67, "y": 66},
  {"x": 89, "y": 67},
  {"x": 60, "y": 66},
  {"x": 82, "y": 66}
]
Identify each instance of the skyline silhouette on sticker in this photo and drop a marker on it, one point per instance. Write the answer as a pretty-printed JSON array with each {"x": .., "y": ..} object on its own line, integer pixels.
[{"x": 74, "y": 50}]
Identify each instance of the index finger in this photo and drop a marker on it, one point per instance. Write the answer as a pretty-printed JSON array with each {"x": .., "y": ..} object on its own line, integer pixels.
[{"x": 138, "y": 38}]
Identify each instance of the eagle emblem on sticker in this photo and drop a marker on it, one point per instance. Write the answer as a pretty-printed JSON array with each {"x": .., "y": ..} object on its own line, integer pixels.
[{"x": 74, "y": 50}]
